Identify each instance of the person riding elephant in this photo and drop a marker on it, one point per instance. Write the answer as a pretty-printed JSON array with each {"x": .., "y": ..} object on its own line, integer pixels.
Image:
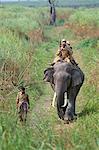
[
  {"x": 64, "y": 53},
  {"x": 67, "y": 81}
]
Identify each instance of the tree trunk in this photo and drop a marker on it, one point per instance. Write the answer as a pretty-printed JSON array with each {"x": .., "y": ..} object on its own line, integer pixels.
[{"x": 52, "y": 13}]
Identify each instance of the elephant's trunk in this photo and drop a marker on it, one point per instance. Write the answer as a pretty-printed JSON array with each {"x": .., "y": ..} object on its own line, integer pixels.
[
  {"x": 61, "y": 99},
  {"x": 61, "y": 88}
]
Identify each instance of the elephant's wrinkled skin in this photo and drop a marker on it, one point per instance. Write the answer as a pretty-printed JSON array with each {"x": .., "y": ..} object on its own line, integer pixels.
[{"x": 65, "y": 79}]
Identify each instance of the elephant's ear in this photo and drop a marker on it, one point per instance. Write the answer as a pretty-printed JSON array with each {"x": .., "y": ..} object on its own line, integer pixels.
[
  {"x": 45, "y": 71},
  {"x": 48, "y": 74},
  {"x": 77, "y": 77},
  {"x": 48, "y": 69}
]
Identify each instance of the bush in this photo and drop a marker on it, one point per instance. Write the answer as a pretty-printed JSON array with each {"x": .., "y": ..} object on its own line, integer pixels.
[
  {"x": 89, "y": 17},
  {"x": 88, "y": 43}
]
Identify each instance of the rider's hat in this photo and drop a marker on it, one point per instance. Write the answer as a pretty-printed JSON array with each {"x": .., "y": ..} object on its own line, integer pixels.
[
  {"x": 21, "y": 88},
  {"x": 63, "y": 40}
]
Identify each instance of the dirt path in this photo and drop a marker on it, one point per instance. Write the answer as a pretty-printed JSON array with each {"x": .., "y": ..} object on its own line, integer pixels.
[{"x": 42, "y": 108}]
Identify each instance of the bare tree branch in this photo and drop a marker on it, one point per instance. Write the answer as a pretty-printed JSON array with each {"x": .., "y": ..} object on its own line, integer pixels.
[{"x": 52, "y": 12}]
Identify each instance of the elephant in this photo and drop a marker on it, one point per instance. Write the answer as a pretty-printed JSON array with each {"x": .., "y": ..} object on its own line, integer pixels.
[{"x": 66, "y": 81}]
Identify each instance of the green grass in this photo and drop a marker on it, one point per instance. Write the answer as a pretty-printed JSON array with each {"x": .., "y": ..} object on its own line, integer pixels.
[
  {"x": 86, "y": 17},
  {"x": 20, "y": 17},
  {"x": 43, "y": 131}
]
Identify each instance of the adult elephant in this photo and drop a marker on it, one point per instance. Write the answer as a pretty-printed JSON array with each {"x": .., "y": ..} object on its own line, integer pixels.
[{"x": 66, "y": 80}]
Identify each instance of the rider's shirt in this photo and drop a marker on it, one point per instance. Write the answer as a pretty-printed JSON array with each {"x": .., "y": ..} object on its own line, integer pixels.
[
  {"x": 63, "y": 54},
  {"x": 22, "y": 97}
]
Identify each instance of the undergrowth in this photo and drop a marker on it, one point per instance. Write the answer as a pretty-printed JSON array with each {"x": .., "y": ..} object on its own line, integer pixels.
[{"x": 43, "y": 131}]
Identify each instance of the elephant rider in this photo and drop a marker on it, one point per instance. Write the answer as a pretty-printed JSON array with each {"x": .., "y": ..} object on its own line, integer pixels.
[
  {"x": 64, "y": 53},
  {"x": 22, "y": 97}
]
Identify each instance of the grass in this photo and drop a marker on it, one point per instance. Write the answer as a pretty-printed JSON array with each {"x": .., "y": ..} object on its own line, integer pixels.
[
  {"x": 43, "y": 131},
  {"x": 85, "y": 17},
  {"x": 16, "y": 17}
]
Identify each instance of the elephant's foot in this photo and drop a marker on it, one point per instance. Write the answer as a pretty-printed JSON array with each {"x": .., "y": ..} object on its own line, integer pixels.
[
  {"x": 61, "y": 114},
  {"x": 75, "y": 114},
  {"x": 66, "y": 121},
  {"x": 75, "y": 117},
  {"x": 68, "y": 117}
]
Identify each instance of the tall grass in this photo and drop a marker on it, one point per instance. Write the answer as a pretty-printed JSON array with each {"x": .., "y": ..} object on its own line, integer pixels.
[
  {"x": 43, "y": 131},
  {"x": 85, "y": 17}
]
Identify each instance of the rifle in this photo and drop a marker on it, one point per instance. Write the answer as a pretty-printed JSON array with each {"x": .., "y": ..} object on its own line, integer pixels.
[{"x": 60, "y": 45}]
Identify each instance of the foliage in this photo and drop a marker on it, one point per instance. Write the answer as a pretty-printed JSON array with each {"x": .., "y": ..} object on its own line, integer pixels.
[
  {"x": 88, "y": 43},
  {"x": 43, "y": 131},
  {"x": 85, "y": 17}
]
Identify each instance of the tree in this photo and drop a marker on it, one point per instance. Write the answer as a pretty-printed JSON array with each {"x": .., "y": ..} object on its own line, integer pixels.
[{"x": 52, "y": 12}]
